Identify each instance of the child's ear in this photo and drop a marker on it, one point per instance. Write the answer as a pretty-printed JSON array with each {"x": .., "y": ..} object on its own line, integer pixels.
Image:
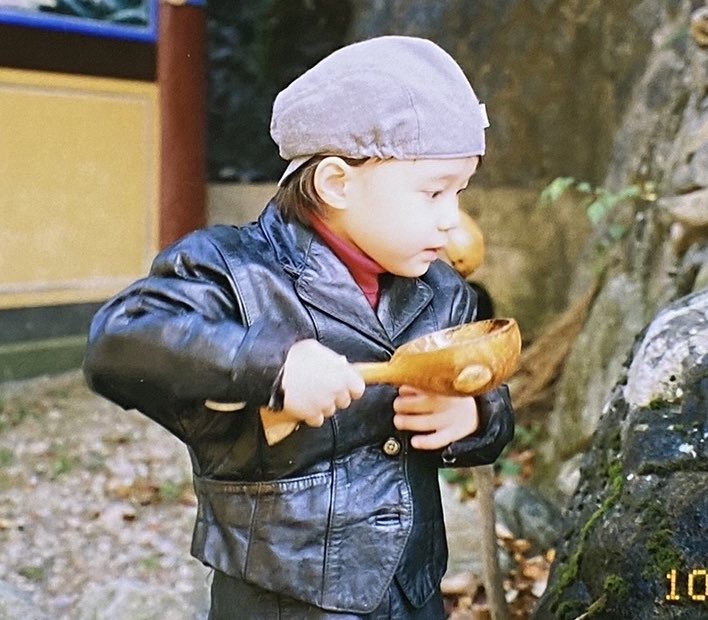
[{"x": 331, "y": 176}]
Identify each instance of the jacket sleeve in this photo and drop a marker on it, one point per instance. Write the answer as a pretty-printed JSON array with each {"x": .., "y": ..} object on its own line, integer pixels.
[
  {"x": 177, "y": 336},
  {"x": 496, "y": 429}
]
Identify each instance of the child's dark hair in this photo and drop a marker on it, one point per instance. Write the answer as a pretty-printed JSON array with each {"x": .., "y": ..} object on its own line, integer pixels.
[{"x": 297, "y": 198}]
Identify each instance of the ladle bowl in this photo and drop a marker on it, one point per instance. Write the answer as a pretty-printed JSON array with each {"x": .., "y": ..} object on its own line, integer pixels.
[{"x": 464, "y": 360}]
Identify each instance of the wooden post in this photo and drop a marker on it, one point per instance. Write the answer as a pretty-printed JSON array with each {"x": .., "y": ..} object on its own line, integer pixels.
[
  {"x": 181, "y": 75},
  {"x": 493, "y": 581}
]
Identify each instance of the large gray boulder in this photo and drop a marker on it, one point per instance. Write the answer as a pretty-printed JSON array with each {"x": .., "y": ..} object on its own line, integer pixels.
[{"x": 637, "y": 543}]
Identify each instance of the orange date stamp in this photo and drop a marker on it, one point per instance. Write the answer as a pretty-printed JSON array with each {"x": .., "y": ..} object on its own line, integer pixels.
[{"x": 691, "y": 585}]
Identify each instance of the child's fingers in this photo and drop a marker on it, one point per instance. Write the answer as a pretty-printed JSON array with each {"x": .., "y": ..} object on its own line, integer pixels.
[
  {"x": 356, "y": 386},
  {"x": 407, "y": 390},
  {"x": 416, "y": 403},
  {"x": 433, "y": 441},
  {"x": 315, "y": 421},
  {"x": 343, "y": 399},
  {"x": 424, "y": 422}
]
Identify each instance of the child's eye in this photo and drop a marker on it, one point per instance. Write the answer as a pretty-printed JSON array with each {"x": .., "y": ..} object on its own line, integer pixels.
[{"x": 433, "y": 193}]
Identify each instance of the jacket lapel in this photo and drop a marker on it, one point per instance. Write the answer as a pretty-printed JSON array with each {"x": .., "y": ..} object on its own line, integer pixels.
[
  {"x": 326, "y": 284},
  {"x": 402, "y": 300},
  {"x": 323, "y": 282}
]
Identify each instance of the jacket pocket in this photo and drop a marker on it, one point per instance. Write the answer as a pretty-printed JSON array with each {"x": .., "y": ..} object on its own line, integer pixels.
[
  {"x": 271, "y": 534},
  {"x": 331, "y": 539}
]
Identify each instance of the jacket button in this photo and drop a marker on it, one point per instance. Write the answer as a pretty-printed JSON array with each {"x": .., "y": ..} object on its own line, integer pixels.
[{"x": 392, "y": 446}]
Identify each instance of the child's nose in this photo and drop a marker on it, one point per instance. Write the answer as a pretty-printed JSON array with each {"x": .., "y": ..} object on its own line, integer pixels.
[{"x": 449, "y": 214}]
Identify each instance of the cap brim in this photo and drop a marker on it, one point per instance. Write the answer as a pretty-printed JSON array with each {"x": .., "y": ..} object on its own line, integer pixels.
[{"x": 293, "y": 166}]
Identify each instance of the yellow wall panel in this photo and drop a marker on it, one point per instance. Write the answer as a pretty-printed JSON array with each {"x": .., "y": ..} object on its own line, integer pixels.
[{"x": 78, "y": 186}]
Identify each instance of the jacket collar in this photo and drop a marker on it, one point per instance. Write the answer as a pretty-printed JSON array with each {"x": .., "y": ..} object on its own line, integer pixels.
[{"x": 323, "y": 281}]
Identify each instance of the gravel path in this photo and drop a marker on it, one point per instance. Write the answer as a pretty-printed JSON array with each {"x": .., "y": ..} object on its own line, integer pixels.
[{"x": 95, "y": 504}]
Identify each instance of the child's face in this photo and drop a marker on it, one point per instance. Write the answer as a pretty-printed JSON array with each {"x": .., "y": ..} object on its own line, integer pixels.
[{"x": 400, "y": 212}]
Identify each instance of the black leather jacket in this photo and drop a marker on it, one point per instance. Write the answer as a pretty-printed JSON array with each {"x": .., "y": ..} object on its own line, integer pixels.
[{"x": 327, "y": 515}]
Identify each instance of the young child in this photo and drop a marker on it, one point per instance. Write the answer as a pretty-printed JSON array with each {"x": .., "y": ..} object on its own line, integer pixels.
[{"x": 343, "y": 518}]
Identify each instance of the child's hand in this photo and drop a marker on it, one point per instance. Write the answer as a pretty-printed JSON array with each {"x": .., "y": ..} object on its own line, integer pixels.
[
  {"x": 317, "y": 381},
  {"x": 440, "y": 419}
]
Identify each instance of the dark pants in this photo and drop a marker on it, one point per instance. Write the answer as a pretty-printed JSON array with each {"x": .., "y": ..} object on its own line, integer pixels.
[{"x": 232, "y": 599}]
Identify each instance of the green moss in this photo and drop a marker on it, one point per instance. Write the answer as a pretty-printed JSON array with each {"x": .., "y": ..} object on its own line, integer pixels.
[
  {"x": 614, "y": 444},
  {"x": 661, "y": 551},
  {"x": 663, "y": 555},
  {"x": 616, "y": 478},
  {"x": 569, "y": 609},
  {"x": 569, "y": 573},
  {"x": 615, "y": 587},
  {"x": 596, "y": 606}
]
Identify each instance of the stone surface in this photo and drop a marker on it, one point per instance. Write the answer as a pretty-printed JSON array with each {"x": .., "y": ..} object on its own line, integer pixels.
[
  {"x": 674, "y": 344},
  {"x": 641, "y": 508},
  {"x": 559, "y": 118},
  {"x": 255, "y": 49},
  {"x": 592, "y": 368},
  {"x": 528, "y": 275},
  {"x": 529, "y": 516}
]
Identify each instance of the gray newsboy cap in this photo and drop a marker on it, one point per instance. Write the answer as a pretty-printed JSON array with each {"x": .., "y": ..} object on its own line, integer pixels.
[{"x": 389, "y": 97}]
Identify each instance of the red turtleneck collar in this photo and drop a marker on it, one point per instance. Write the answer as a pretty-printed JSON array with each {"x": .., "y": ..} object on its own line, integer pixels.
[{"x": 364, "y": 269}]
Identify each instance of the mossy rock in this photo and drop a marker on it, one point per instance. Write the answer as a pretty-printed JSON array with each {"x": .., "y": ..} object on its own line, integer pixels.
[{"x": 636, "y": 546}]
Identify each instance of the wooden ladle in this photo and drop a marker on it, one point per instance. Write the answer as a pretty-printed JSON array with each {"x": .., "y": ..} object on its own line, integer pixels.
[{"x": 464, "y": 360}]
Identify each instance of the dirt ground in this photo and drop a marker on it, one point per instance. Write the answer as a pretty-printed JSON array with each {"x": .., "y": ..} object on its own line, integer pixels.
[{"x": 90, "y": 495}]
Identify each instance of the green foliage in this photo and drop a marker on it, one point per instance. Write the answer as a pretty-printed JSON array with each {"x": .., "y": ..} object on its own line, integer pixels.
[
  {"x": 601, "y": 201},
  {"x": 570, "y": 609},
  {"x": 507, "y": 468},
  {"x": 463, "y": 478},
  {"x": 554, "y": 190},
  {"x": 526, "y": 437}
]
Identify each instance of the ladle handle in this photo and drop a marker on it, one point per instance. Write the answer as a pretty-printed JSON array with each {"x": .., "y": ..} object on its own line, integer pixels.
[{"x": 376, "y": 372}]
